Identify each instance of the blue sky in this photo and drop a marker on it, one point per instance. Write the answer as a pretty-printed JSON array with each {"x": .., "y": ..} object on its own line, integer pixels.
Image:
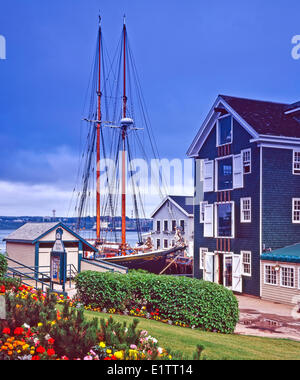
[{"x": 187, "y": 52}]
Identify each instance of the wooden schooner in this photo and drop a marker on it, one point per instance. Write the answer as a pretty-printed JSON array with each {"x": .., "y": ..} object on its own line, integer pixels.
[{"x": 111, "y": 136}]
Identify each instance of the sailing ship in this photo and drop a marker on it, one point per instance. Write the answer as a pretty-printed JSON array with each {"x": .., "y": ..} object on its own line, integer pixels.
[{"x": 113, "y": 127}]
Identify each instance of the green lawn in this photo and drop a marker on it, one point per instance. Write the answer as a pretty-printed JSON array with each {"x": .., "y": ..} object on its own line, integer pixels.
[{"x": 217, "y": 346}]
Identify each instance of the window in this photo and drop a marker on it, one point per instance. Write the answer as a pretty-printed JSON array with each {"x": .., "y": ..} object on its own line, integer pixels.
[
  {"x": 246, "y": 263},
  {"x": 181, "y": 223},
  {"x": 224, "y": 219},
  {"x": 247, "y": 161},
  {"x": 296, "y": 162},
  {"x": 208, "y": 230},
  {"x": 296, "y": 210},
  {"x": 270, "y": 275},
  {"x": 174, "y": 225},
  {"x": 166, "y": 243},
  {"x": 225, "y": 176},
  {"x": 166, "y": 225},
  {"x": 208, "y": 176},
  {"x": 157, "y": 243},
  {"x": 287, "y": 277},
  {"x": 224, "y": 130},
  {"x": 158, "y": 226},
  {"x": 202, "y": 209},
  {"x": 245, "y": 210},
  {"x": 202, "y": 252}
]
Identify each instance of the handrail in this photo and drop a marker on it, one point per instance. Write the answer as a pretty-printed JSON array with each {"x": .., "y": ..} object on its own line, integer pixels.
[{"x": 21, "y": 274}]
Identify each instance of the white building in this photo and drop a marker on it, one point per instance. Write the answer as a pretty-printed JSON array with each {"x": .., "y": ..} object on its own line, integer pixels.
[{"x": 174, "y": 211}]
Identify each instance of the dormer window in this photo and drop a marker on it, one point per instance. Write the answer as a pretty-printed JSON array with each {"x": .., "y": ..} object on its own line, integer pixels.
[{"x": 224, "y": 130}]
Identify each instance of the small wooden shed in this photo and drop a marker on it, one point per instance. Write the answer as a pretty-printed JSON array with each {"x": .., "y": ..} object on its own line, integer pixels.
[{"x": 32, "y": 243}]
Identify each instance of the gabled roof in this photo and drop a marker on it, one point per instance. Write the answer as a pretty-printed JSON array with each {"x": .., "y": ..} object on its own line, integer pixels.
[
  {"x": 31, "y": 231},
  {"x": 290, "y": 254},
  {"x": 267, "y": 118},
  {"x": 182, "y": 202},
  {"x": 261, "y": 119}
]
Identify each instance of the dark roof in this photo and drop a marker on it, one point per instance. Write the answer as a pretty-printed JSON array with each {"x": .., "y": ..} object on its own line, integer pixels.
[
  {"x": 184, "y": 202},
  {"x": 289, "y": 254},
  {"x": 266, "y": 118},
  {"x": 30, "y": 231}
]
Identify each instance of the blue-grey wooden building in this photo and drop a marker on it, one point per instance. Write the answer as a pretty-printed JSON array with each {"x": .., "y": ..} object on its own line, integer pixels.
[{"x": 247, "y": 180}]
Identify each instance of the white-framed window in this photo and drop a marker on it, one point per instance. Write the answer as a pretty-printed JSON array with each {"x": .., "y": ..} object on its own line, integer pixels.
[
  {"x": 287, "y": 277},
  {"x": 296, "y": 210},
  {"x": 202, "y": 209},
  {"x": 246, "y": 263},
  {"x": 182, "y": 225},
  {"x": 166, "y": 225},
  {"x": 270, "y": 275},
  {"x": 224, "y": 220},
  {"x": 245, "y": 210},
  {"x": 224, "y": 173},
  {"x": 157, "y": 243},
  {"x": 224, "y": 130},
  {"x": 158, "y": 226},
  {"x": 174, "y": 225},
  {"x": 166, "y": 243},
  {"x": 202, "y": 252},
  {"x": 296, "y": 162},
  {"x": 246, "y": 153}
]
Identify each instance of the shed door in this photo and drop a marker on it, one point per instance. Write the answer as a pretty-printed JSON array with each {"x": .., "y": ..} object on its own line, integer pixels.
[
  {"x": 208, "y": 266},
  {"x": 237, "y": 273}
]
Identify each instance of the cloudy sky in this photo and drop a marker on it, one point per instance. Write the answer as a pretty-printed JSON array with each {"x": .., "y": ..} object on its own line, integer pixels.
[{"x": 187, "y": 52}]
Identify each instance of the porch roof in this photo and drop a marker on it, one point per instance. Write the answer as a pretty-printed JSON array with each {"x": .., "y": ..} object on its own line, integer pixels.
[{"x": 290, "y": 254}]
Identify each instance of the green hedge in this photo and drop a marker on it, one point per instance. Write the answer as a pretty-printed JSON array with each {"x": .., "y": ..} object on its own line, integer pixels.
[{"x": 180, "y": 299}]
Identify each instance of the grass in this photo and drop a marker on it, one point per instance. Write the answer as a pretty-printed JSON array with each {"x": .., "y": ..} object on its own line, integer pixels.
[{"x": 217, "y": 346}]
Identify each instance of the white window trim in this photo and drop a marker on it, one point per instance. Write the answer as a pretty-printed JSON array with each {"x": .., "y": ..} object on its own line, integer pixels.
[
  {"x": 200, "y": 217},
  {"x": 216, "y": 171},
  {"x": 201, "y": 259},
  {"x": 182, "y": 220},
  {"x": 166, "y": 245},
  {"x": 158, "y": 220},
  {"x": 163, "y": 229},
  {"x": 267, "y": 283},
  {"x": 242, "y": 255},
  {"x": 280, "y": 276},
  {"x": 232, "y": 221},
  {"x": 208, "y": 226},
  {"x": 243, "y": 151},
  {"x": 241, "y": 210},
  {"x": 293, "y": 210},
  {"x": 217, "y": 132},
  {"x": 158, "y": 247},
  {"x": 295, "y": 151},
  {"x": 173, "y": 220}
]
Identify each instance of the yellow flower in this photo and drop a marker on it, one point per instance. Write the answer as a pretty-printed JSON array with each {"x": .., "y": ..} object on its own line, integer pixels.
[
  {"x": 108, "y": 351},
  {"x": 40, "y": 324},
  {"x": 32, "y": 352},
  {"x": 170, "y": 356},
  {"x": 102, "y": 344},
  {"x": 119, "y": 355}
]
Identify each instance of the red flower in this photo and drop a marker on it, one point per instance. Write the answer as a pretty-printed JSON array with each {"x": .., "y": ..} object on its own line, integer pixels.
[
  {"x": 50, "y": 352},
  {"x": 51, "y": 341},
  {"x": 18, "y": 331},
  {"x": 138, "y": 310},
  {"x": 2, "y": 289},
  {"x": 156, "y": 309},
  {"x": 6, "y": 330},
  {"x": 107, "y": 358},
  {"x": 40, "y": 350},
  {"x": 35, "y": 357},
  {"x": 113, "y": 357}
]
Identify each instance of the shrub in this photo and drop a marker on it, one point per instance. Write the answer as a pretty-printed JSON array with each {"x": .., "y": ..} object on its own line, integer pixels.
[
  {"x": 10, "y": 283},
  {"x": 3, "y": 265},
  {"x": 192, "y": 302}
]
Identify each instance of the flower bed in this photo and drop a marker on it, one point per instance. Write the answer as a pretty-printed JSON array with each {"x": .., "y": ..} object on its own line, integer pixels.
[
  {"x": 35, "y": 330},
  {"x": 176, "y": 300}
]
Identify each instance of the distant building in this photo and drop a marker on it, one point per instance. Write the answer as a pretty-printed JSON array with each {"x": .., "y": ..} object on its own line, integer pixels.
[
  {"x": 174, "y": 211},
  {"x": 247, "y": 161}
]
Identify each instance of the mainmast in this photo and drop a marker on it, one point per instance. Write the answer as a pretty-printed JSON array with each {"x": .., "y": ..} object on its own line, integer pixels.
[
  {"x": 124, "y": 128},
  {"x": 98, "y": 136}
]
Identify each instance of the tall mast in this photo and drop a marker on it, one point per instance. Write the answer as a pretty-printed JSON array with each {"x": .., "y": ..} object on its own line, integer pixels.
[
  {"x": 123, "y": 145},
  {"x": 98, "y": 136}
]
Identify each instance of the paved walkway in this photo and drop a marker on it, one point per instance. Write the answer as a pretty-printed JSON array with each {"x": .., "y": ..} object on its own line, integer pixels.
[{"x": 267, "y": 319}]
